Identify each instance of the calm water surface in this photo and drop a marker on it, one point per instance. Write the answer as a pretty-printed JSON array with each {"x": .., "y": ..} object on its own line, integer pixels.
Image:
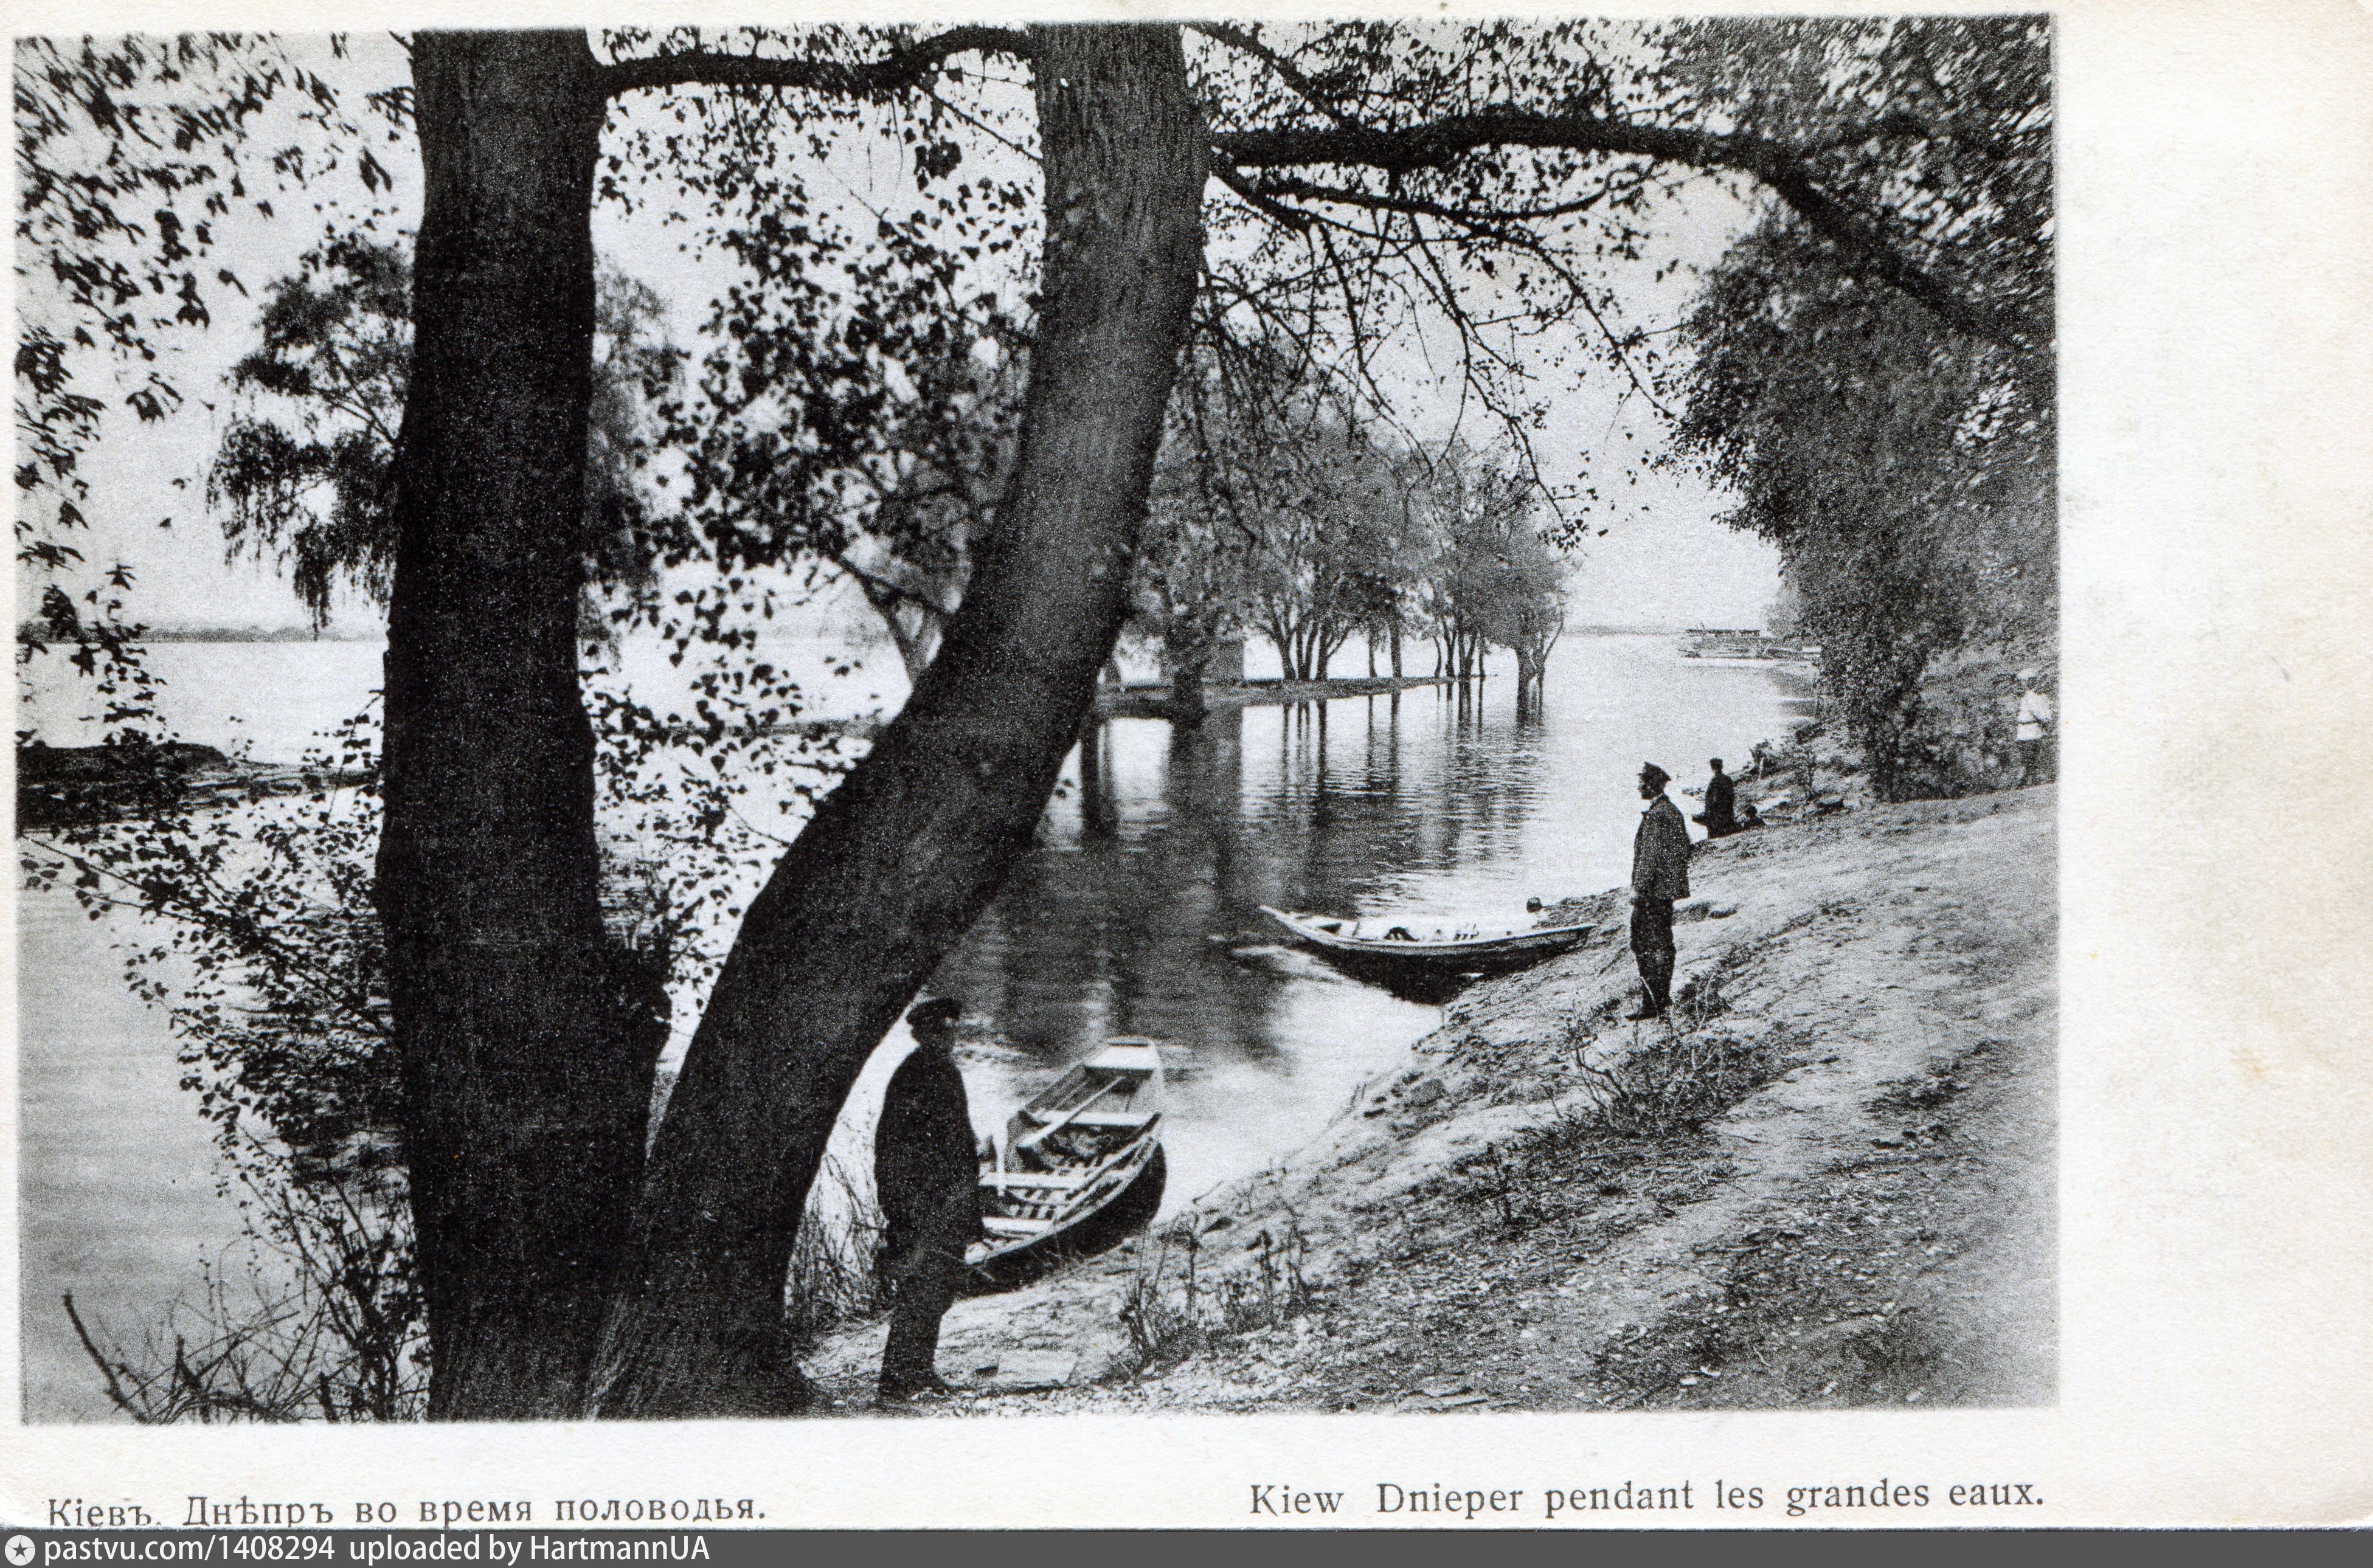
[{"x": 1138, "y": 913}]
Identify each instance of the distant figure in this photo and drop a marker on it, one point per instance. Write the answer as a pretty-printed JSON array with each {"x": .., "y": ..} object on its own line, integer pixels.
[
  {"x": 2034, "y": 730},
  {"x": 1660, "y": 874},
  {"x": 1721, "y": 799},
  {"x": 1749, "y": 817},
  {"x": 927, "y": 1175}
]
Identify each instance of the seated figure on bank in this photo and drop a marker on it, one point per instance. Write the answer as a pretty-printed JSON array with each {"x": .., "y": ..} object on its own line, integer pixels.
[{"x": 1720, "y": 801}]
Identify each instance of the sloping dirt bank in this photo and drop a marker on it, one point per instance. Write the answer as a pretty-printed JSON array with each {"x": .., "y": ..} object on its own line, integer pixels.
[{"x": 1826, "y": 1181}]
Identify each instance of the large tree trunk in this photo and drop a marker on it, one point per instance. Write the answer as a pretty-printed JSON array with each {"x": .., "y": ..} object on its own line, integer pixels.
[
  {"x": 901, "y": 859},
  {"x": 526, "y": 1044}
]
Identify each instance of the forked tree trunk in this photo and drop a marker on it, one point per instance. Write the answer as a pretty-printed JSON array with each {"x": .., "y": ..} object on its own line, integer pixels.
[
  {"x": 1528, "y": 678},
  {"x": 901, "y": 859},
  {"x": 526, "y": 1046},
  {"x": 1287, "y": 641}
]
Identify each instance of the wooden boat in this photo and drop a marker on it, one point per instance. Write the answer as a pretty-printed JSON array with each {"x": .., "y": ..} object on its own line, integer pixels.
[
  {"x": 1079, "y": 1166},
  {"x": 1436, "y": 948}
]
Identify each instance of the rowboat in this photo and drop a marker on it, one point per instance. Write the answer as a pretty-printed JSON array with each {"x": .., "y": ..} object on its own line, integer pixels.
[
  {"x": 1405, "y": 946},
  {"x": 1080, "y": 1166}
]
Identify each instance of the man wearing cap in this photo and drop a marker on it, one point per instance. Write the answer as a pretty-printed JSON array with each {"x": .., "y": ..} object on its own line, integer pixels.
[
  {"x": 1660, "y": 874},
  {"x": 927, "y": 1176}
]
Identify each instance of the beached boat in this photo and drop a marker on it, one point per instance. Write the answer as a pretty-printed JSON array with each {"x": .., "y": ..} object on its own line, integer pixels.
[
  {"x": 1435, "y": 947},
  {"x": 1080, "y": 1166}
]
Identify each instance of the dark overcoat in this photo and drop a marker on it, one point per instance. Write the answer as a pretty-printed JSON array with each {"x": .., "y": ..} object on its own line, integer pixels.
[
  {"x": 924, "y": 1157},
  {"x": 1660, "y": 852}
]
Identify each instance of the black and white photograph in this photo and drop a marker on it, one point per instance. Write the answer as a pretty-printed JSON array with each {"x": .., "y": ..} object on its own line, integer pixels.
[
  {"x": 1342, "y": 716},
  {"x": 1138, "y": 578}
]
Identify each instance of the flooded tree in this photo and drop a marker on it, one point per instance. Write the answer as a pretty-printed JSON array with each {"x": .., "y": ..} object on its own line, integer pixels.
[
  {"x": 920, "y": 441},
  {"x": 1194, "y": 589},
  {"x": 1324, "y": 553},
  {"x": 1486, "y": 576}
]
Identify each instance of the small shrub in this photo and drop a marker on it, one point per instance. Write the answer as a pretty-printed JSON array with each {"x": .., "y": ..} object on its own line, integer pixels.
[
  {"x": 1675, "y": 1084},
  {"x": 1161, "y": 1333},
  {"x": 326, "y": 1323},
  {"x": 1166, "y": 1327},
  {"x": 835, "y": 1278}
]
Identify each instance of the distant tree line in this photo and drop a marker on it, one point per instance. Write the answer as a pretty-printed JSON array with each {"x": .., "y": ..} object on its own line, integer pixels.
[{"x": 1275, "y": 515}]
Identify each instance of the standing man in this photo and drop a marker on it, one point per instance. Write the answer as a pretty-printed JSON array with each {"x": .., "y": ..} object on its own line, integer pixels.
[
  {"x": 1660, "y": 874},
  {"x": 1722, "y": 804},
  {"x": 2034, "y": 730},
  {"x": 927, "y": 1175}
]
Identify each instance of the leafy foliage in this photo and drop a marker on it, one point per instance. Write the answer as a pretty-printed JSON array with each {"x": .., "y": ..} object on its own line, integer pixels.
[
  {"x": 860, "y": 406},
  {"x": 269, "y": 964},
  {"x": 1276, "y": 512},
  {"x": 131, "y": 155},
  {"x": 1904, "y": 468},
  {"x": 312, "y": 493},
  {"x": 253, "y": 929},
  {"x": 1490, "y": 578}
]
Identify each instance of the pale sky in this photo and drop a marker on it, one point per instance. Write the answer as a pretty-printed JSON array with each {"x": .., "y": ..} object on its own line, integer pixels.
[{"x": 1666, "y": 563}]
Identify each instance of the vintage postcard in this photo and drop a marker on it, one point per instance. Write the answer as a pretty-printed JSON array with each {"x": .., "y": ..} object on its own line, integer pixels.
[{"x": 1330, "y": 767}]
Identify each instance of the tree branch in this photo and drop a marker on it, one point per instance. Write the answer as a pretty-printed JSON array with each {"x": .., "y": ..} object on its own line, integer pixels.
[
  {"x": 1233, "y": 179},
  {"x": 872, "y": 78},
  {"x": 1307, "y": 190},
  {"x": 873, "y": 584},
  {"x": 115, "y": 1393},
  {"x": 1779, "y": 167},
  {"x": 1237, "y": 39}
]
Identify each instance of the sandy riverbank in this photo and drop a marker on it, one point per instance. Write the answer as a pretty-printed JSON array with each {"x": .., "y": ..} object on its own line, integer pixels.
[{"x": 1848, "y": 1201}]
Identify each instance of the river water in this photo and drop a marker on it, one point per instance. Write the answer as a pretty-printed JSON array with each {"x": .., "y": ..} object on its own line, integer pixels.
[{"x": 1137, "y": 913}]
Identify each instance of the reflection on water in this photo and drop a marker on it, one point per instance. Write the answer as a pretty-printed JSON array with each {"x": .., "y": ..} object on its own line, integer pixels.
[
  {"x": 1139, "y": 912},
  {"x": 116, "y": 1196}
]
